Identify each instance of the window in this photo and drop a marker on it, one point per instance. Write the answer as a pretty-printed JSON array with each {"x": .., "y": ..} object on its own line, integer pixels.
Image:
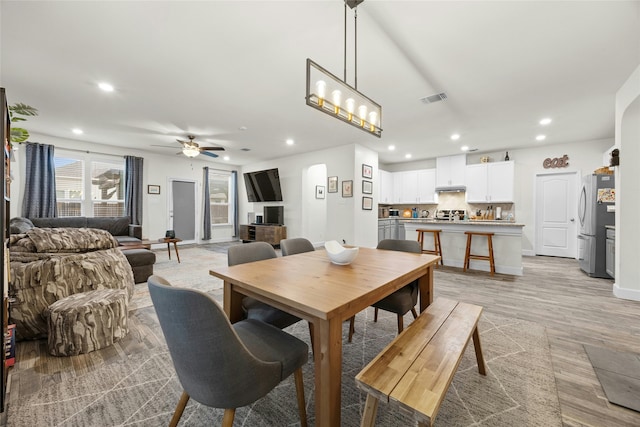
[
  {"x": 220, "y": 197},
  {"x": 69, "y": 185},
  {"x": 106, "y": 187}
]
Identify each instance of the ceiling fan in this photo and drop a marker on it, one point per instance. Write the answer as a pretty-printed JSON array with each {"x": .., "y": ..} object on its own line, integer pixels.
[{"x": 191, "y": 148}]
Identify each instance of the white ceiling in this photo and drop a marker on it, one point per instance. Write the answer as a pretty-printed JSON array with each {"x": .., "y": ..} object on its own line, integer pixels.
[{"x": 211, "y": 67}]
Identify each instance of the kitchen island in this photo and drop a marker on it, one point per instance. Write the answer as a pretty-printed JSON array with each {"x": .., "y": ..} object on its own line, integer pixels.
[{"x": 507, "y": 242}]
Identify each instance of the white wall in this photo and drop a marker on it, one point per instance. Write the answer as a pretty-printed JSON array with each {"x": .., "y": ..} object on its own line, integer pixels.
[
  {"x": 345, "y": 220},
  {"x": 314, "y": 210},
  {"x": 627, "y": 284},
  {"x": 157, "y": 171}
]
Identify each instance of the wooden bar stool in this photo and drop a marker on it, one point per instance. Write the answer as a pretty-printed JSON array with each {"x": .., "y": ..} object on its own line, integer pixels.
[
  {"x": 469, "y": 256},
  {"x": 437, "y": 249}
]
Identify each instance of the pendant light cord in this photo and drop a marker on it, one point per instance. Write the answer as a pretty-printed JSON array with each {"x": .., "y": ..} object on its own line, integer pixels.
[
  {"x": 355, "y": 45},
  {"x": 345, "y": 43}
]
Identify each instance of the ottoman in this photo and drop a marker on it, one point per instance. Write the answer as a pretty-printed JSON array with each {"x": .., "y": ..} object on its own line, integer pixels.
[
  {"x": 141, "y": 261},
  {"x": 87, "y": 321}
]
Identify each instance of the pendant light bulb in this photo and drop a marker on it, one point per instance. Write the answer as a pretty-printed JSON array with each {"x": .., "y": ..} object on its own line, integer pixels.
[
  {"x": 362, "y": 112},
  {"x": 321, "y": 89},
  {"x": 336, "y": 94},
  {"x": 351, "y": 105},
  {"x": 373, "y": 117}
]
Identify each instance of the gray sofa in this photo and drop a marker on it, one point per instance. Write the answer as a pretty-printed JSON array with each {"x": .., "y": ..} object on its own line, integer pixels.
[{"x": 120, "y": 227}]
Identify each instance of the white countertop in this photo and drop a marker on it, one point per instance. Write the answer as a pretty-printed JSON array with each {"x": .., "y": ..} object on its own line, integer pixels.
[{"x": 446, "y": 223}]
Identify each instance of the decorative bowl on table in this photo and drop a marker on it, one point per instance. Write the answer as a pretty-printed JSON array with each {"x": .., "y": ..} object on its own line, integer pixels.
[{"x": 338, "y": 254}]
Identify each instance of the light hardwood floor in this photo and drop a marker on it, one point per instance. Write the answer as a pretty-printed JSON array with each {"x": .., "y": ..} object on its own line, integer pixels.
[{"x": 574, "y": 308}]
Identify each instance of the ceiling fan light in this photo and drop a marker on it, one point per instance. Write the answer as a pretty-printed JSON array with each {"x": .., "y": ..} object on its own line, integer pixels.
[{"x": 190, "y": 151}]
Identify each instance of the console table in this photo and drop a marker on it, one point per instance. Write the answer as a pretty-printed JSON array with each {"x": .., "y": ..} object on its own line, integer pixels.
[{"x": 263, "y": 233}]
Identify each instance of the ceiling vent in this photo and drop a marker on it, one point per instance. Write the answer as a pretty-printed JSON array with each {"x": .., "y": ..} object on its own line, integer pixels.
[{"x": 434, "y": 98}]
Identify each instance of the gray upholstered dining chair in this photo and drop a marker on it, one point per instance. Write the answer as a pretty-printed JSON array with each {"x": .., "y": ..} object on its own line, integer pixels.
[
  {"x": 406, "y": 298},
  {"x": 298, "y": 245},
  {"x": 219, "y": 364},
  {"x": 254, "y": 309}
]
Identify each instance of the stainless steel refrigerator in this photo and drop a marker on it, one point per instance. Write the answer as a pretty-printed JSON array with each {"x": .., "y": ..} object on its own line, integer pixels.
[{"x": 595, "y": 211}]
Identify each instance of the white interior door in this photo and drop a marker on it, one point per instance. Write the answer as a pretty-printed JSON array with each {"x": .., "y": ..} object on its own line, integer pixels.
[
  {"x": 556, "y": 210},
  {"x": 182, "y": 209}
]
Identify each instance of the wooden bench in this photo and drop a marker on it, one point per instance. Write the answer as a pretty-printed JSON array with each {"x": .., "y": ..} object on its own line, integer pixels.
[{"x": 414, "y": 371}]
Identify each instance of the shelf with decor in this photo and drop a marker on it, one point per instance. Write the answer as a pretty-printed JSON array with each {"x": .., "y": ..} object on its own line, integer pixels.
[{"x": 271, "y": 234}]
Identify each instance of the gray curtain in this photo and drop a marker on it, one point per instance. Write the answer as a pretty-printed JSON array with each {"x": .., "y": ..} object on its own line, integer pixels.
[
  {"x": 206, "y": 214},
  {"x": 40, "y": 184},
  {"x": 133, "y": 188},
  {"x": 234, "y": 175}
]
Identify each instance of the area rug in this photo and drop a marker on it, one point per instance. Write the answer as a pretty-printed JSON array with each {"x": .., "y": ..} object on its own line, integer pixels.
[
  {"x": 618, "y": 373},
  {"x": 142, "y": 389}
]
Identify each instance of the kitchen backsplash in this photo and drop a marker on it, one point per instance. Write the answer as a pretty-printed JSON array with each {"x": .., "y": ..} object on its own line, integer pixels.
[{"x": 455, "y": 201}]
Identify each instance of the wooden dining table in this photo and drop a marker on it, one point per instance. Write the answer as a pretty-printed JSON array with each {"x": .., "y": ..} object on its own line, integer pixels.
[{"x": 309, "y": 286}]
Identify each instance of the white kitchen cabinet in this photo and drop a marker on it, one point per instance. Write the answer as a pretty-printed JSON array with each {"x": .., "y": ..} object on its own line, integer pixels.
[
  {"x": 427, "y": 186},
  {"x": 409, "y": 187},
  {"x": 397, "y": 187},
  {"x": 490, "y": 182},
  {"x": 450, "y": 171},
  {"x": 386, "y": 187},
  {"x": 415, "y": 186}
]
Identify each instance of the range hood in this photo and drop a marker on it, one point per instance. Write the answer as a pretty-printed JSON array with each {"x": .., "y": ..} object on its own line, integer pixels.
[{"x": 454, "y": 189}]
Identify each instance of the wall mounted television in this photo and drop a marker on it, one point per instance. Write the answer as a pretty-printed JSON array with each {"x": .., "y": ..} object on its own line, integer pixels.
[{"x": 263, "y": 186}]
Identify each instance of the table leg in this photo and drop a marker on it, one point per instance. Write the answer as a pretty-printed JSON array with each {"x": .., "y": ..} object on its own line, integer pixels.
[
  {"x": 169, "y": 249},
  {"x": 328, "y": 370},
  {"x": 425, "y": 284},
  {"x": 232, "y": 303},
  {"x": 175, "y": 246}
]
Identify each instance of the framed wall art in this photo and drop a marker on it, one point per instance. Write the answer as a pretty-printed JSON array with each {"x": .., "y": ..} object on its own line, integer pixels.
[
  {"x": 367, "y": 187},
  {"x": 347, "y": 188},
  {"x": 367, "y": 203},
  {"x": 367, "y": 171},
  {"x": 332, "y": 184},
  {"x": 153, "y": 189},
  {"x": 319, "y": 191}
]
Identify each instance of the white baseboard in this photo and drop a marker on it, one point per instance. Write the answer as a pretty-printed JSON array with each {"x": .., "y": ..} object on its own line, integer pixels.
[
  {"x": 528, "y": 252},
  {"x": 625, "y": 293}
]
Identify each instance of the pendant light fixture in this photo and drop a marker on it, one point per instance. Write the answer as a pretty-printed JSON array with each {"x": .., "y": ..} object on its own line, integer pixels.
[{"x": 333, "y": 96}]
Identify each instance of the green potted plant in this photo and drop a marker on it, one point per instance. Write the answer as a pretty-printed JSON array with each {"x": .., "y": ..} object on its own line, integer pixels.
[{"x": 17, "y": 113}]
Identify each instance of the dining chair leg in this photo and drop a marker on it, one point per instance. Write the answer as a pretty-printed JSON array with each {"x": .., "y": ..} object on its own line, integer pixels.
[
  {"x": 375, "y": 314},
  {"x": 415, "y": 313},
  {"x": 352, "y": 327},
  {"x": 400, "y": 324},
  {"x": 227, "y": 418},
  {"x": 300, "y": 394},
  {"x": 311, "y": 337},
  {"x": 182, "y": 403}
]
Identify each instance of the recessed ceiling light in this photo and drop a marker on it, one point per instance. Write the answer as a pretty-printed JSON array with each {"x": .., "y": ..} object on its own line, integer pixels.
[
  {"x": 541, "y": 137},
  {"x": 407, "y": 156},
  {"x": 391, "y": 147},
  {"x": 226, "y": 158},
  {"x": 545, "y": 121},
  {"x": 290, "y": 141},
  {"x": 105, "y": 87},
  {"x": 77, "y": 131},
  {"x": 455, "y": 136},
  {"x": 465, "y": 148}
]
